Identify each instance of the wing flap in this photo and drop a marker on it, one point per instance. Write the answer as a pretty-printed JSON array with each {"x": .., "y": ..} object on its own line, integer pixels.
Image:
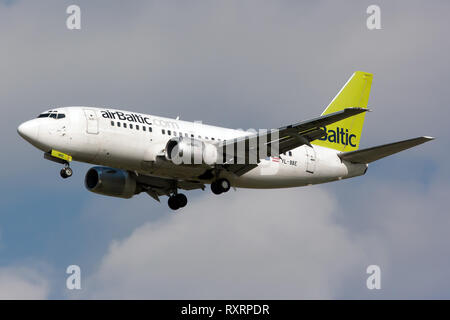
[
  {"x": 157, "y": 186},
  {"x": 375, "y": 153}
]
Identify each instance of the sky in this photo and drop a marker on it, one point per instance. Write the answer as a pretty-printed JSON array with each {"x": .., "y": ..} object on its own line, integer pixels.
[{"x": 237, "y": 64}]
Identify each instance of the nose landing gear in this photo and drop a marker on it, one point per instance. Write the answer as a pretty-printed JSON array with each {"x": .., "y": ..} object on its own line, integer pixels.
[
  {"x": 66, "y": 172},
  {"x": 62, "y": 158}
]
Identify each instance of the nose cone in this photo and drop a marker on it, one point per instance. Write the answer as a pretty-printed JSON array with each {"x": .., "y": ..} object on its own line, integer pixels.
[{"x": 29, "y": 131}]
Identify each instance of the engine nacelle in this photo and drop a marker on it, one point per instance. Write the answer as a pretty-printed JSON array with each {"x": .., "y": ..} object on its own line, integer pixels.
[
  {"x": 181, "y": 150},
  {"x": 111, "y": 182}
]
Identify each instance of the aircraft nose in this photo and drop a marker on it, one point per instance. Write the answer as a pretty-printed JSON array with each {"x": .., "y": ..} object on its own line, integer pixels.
[{"x": 29, "y": 130}]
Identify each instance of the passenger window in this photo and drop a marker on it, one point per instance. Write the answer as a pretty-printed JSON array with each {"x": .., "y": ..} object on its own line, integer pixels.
[
  {"x": 131, "y": 126},
  {"x": 192, "y": 136},
  {"x": 118, "y": 124},
  {"x": 112, "y": 123},
  {"x": 137, "y": 127},
  {"x": 180, "y": 134},
  {"x": 290, "y": 153},
  {"x": 169, "y": 132},
  {"x": 163, "y": 131},
  {"x": 124, "y": 125},
  {"x": 144, "y": 128},
  {"x": 212, "y": 139},
  {"x": 150, "y": 129}
]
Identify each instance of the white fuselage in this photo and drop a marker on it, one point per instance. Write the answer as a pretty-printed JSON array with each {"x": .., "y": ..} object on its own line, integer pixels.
[{"x": 99, "y": 136}]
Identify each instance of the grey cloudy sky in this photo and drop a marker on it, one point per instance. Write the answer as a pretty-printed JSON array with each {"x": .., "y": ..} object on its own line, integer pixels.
[{"x": 249, "y": 64}]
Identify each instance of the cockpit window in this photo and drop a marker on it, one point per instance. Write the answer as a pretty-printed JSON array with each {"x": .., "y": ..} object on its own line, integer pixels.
[{"x": 52, "y": 114}]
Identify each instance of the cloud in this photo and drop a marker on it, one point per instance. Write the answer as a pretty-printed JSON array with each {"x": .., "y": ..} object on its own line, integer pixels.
[
  {"x": 408, "y": 222},
  {"x": 22, "y": 283},
  {"x": 7, "y": 2},
  {"x": 250, "y": 244},
  {"x": 312, "y": 242}
]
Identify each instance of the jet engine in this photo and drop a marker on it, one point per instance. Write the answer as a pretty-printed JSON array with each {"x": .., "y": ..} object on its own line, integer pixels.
[
  {"x": 181, "y": 150},
  {"x": 111, "y": 182}
]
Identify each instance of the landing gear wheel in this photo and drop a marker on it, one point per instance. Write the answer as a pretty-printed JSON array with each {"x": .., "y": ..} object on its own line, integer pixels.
[
  {"x": 66, "y": 172},
  {"x": 181, "y": 199},
  {"x": 63, "y": 174},
  {"x": 173, "y": 203},
  {"x": 224, "y": 184},
  {"x": 220, "y": 186},
  {"x": 215, "y": 188},
  {"x": 177, "y": 201}
]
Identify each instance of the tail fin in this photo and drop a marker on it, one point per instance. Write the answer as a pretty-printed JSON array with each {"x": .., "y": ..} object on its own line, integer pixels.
[{"x": 345, "y": 135}]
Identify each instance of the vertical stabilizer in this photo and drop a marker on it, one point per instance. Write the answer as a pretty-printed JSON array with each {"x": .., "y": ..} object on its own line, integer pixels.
[{"x": 345, "y": 135}]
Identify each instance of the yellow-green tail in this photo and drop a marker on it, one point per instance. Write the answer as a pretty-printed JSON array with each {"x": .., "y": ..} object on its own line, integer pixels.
[{"x": 345, "y": 135}]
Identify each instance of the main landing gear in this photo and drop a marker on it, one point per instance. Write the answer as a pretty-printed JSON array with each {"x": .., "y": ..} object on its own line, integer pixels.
[
  {"x": 66, "y": 172},
  {"x": 177, "y": 201},
  {"x": 220, "y": 186}
]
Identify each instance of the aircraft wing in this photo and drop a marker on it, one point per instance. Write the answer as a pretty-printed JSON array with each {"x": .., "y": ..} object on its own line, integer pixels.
[
  {"x": 375, "y": 153},
  {"x": 157, "y": 186},
  {"x": 242, "y": 154}
]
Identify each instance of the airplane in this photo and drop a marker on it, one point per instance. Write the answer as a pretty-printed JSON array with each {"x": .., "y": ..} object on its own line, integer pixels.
[{"x": 135, "y": 153}]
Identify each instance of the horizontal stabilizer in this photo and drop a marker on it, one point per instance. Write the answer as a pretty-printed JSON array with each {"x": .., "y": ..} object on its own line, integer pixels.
[{"x": 375, "y": 153}]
